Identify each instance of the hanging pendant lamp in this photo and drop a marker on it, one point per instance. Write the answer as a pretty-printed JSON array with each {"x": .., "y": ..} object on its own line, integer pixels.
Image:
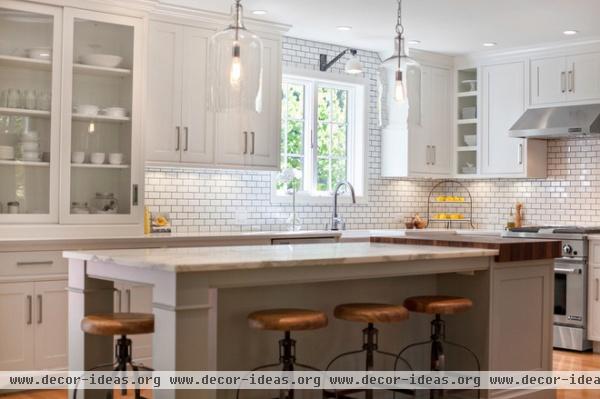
[
  {"x": 235, "y": 59},
  {"x": 401, "y": 59}
]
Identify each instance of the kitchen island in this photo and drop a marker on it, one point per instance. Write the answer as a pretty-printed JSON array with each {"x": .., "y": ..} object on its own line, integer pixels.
[{"x": 201, "y": 297}]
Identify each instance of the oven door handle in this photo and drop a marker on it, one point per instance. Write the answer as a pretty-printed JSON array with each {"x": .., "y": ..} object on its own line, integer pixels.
[{"x": 561, "y": 270}]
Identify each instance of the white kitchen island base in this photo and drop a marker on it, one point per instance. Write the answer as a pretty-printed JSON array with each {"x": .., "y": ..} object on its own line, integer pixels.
[{"x": 201, "y": 297}]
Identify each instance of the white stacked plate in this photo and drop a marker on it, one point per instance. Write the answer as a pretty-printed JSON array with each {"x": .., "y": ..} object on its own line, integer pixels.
[
  {"x": 7, "y": 152},
  {"x": 29, "y": 147}
]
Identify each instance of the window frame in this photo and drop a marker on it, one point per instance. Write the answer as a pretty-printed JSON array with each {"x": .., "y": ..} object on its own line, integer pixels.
[{"x": 357, "y": 133}]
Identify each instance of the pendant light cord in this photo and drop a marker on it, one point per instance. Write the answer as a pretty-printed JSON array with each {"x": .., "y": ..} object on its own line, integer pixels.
[{"x": 399, "y": 27}]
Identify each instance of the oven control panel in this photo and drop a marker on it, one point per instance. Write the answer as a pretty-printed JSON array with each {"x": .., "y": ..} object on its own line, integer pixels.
[{"x": 574, "y": 248}]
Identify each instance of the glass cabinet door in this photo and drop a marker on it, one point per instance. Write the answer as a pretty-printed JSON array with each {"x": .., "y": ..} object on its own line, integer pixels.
[
  {"x": 102, "y": 167},
  {"x": 29, "y": 112}
]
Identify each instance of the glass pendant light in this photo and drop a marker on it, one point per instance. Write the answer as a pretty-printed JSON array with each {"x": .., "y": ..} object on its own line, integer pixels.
[
  {"x": 401, "y": 59},
  {"x": 235, "y": 56}
]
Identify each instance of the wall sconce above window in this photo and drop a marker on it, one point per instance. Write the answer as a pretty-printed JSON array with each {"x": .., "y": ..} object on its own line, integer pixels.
[{"x": 353, "y": 66}]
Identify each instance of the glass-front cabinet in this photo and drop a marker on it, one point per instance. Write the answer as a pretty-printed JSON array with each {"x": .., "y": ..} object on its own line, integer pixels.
[
  {"x": 100, "y": 157},
  {"x": 30, "y": 67}
]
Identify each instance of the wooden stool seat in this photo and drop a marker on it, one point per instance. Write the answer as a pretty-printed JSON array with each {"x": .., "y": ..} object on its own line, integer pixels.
[
  {"x": 287, "y": 319},
  {"x": 438, "y": 304},
  {"x": 118, "y": 324},
  {"x": 371, "y": 312}
]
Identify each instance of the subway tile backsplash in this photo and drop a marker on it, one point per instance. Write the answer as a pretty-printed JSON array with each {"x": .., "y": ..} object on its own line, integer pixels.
[{"x": 223, "y": 200}]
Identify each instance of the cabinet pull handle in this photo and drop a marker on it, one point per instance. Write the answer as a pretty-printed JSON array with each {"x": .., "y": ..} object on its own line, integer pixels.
[
  {"x": 40, "y": 309},
  {"x": 434, "y": 154},
  {"x": 252, "y": 136},
  {"x": 538, "y": 81},
  {"x": 119, "y": 302},
  {"x": 40, "y": 263},
  {"x": 572, "y": 78},
  {"x": 245, "y": 142},
  {"x": 521, "y": 154},
  {"x": 427, "y": 155},
  {"x": 134, "y": 196},
  {"x": 186, "y": 132},
  {"x": 178, "y": 137},
  {"x": 128, "y": 294},
  {"x": 29, "y": 310},
  {"x": 597, "y": 290},
  {"x": 563, "y": 81}
]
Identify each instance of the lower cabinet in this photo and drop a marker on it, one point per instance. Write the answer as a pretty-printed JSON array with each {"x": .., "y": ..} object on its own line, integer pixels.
[
  {"x": 594, "y": 303},
  {"x": 136, "y": 298},
  {"x": 33, "y": 325}
]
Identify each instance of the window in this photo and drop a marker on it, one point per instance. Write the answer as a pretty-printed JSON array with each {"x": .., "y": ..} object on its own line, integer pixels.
[{"x": 322, "y": 132}]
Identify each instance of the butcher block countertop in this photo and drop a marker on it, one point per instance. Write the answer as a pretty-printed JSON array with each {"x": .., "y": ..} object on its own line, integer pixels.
[{"x": 509, "y": 249}]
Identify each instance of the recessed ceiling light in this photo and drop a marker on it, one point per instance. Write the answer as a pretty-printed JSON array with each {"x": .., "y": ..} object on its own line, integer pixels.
[
  {"x": 259, "y": 12},
  {"x": 344, "y": 28},
  {"x": 490, "y": 44},
  {"x": 570, "y": 32},
  {"x": 414, "y": 42}
]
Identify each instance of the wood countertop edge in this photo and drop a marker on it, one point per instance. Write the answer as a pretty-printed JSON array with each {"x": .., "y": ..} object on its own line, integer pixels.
[{"x": 522, "y": 250}]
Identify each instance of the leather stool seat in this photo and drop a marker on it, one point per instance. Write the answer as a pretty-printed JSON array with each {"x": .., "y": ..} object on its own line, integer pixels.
[
  {"x": 118, "y": 324},
  {"x": 371, "y": 312},
  {"x": 287, "y": 319},
  {"x": 438, "y": 304}
]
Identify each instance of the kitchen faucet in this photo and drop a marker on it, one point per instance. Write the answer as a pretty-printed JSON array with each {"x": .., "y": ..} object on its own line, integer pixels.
[{"x": 336, "y": 220}]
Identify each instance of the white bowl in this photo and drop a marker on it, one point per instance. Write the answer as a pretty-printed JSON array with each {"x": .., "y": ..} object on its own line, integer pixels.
[
  {"x": 97, "y": 158},
  {"x": 30, "y": 146},
  {"x": 30, "y": 156},
  {"x": 115, "y": 158},
  {"x": 40, "y": 53},
  {"x": 469, "y": 170},
  {"x": 86, "y": 109},
  {"x": 78, "y": 157},
  {"x": 470, "y": 140},
  {"x": 31, "y": 136},
  {"x": 118, "y": 112},
  {"x": 102, "y": 60}
]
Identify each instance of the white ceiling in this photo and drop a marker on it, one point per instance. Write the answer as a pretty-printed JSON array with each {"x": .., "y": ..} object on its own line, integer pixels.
[{"x": 445, "y": 26}]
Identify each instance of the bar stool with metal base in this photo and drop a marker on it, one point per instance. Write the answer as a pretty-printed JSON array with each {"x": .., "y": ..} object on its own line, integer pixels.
[
  {"x": 286, "y": 320},
  {"x": 371, "y": 314},
  {"x": 439, "y": 305},
  {"x": 122, "y": 324}
]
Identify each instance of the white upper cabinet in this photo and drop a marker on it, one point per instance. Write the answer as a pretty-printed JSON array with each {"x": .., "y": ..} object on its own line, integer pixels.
[
  {"x": 251, "y": 139},
  {"x": 574, "y": 78},
  {"x": 30, "y": 68},
  {"x": 504, "y": 94},
  {"x": 421, "y": 145},
  {"x": 101, "y": 118},
  {"x": 176, "y": 126}
]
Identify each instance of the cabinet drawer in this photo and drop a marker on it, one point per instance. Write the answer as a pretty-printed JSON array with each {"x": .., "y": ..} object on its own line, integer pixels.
[{"x": 32, "y": 263}]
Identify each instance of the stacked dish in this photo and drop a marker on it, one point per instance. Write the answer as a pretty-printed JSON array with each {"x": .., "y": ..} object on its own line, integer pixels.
[
  {"x": 29, "y": 147},
  {"x": 7, "y": 152}
]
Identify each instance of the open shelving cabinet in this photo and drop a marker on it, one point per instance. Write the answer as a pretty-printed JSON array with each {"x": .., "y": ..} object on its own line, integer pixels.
[{"x": 467, "y": 121}]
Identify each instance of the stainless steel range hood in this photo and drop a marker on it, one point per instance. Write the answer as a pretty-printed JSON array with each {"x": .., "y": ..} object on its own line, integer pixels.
[{"x": 558, "y": 122}]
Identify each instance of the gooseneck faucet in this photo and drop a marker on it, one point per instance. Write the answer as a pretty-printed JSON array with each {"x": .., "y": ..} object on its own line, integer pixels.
[{"x": 337, "y": 223}]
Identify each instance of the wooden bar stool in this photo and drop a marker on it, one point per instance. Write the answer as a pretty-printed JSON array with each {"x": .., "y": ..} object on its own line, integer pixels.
[
  {"x": 371, "y": 314},
  {"x": 286, "y": 320},
  {"x": 122, "y": 324},
  {"x": 439, "y": 305}
]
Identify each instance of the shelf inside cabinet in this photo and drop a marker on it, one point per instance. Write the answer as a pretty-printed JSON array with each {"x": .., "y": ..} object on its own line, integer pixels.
[
  {"x": 100, "y": 118},
  {"x": 468, "y": 94},
  {"x": 466, "y": 148},
  {"x": 24, "y": 112},
  {"x": 98, "y": 166},
  {"x": 467, "y": 121},
  {"x": 84, "y": 69},
  {"x": 24, "y": 62},
  {"x": 25, "y": 163}
]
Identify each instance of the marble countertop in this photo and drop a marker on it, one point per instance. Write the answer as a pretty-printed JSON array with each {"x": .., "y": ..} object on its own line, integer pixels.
[{"x": 207, "y": 259}]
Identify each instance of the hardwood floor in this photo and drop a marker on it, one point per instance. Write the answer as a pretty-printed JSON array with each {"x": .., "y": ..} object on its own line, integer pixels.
[
  {"x": 562, "y": 361},
  {"x": 567, "y": 361}
]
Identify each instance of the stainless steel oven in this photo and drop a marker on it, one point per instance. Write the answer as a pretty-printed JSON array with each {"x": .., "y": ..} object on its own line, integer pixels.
[{"x": 570, "y": 282}]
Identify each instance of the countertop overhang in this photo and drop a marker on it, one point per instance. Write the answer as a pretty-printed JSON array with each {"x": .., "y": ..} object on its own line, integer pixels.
[
  {"x": 212, "y": 259},
  {"x": 509, "y": 249}
]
